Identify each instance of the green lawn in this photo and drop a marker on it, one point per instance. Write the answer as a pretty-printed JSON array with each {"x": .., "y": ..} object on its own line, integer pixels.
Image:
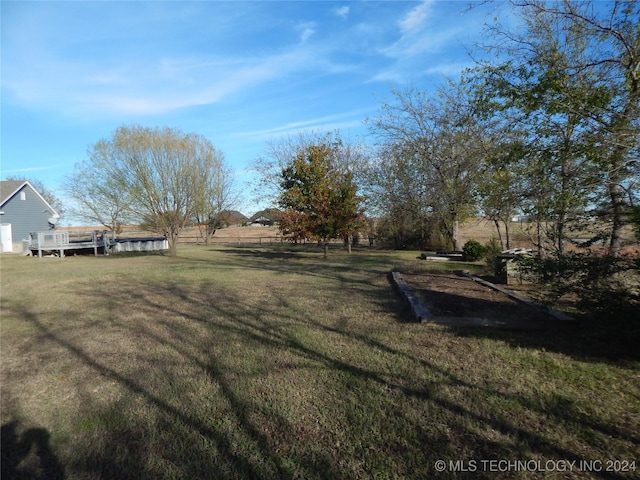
[{"x": 271, "y": 362}]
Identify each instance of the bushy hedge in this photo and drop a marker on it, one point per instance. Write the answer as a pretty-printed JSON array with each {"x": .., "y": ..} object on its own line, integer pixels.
[{"x": 472, "y": 251}]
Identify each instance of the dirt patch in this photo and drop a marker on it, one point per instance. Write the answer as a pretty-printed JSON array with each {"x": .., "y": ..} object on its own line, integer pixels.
[{"x": 448, "y": 295}]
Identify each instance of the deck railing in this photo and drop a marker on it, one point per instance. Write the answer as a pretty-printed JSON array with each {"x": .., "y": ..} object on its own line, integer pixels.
[
  {"x": 46, "y": 240},
  {"x": 61, "y": 240}
]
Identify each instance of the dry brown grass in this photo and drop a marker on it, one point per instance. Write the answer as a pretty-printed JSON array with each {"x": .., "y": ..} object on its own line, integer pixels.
[{"x": 273, "y": 363}]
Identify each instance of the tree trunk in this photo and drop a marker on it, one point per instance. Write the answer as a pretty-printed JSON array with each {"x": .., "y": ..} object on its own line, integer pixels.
[
  {"x": 172, "y": 239},
  {"x": 617, "y": 204},
  {"x": 560, "y": 224},
  {"x": 497, "y": 224},
  {"x": 326, "y": 249},
  {"x": 539, "y": 235},
  {"x": 565, "y": 184},
  {"x": 507, "y": 234},
  {"x": 621, "y": 126},
  {"x": 210, "y": 233},
  {"x": 456, "y": 232}
]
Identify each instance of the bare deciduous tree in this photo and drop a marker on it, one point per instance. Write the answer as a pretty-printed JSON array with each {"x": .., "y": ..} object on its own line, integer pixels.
[
  {"x": 155, "y": 176},
  {"x": 96, "y": 197},
  {"x": 219, "y": 195},
  {"x": 438, "y": 138}
]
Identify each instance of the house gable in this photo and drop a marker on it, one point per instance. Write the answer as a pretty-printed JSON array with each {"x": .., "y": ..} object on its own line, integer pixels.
[{"x": 24, "y": 208}]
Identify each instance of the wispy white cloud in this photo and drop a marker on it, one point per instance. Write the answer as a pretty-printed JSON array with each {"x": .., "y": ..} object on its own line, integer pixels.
[
  {"x": 416, "y": 18},
  {"x": 6, "y": 172},
  {"x": 401, "y": 74},
  {"x": 151, "y": 87},
  {"x": 419, "y": 32},
  {"x": 92, "y": 75},
  {"x": 324, "y": 123},
  {"x": 426, "y": 36},
  {"x": 306, "y": 34},
  {"x": 449, "y": 69},
  {"x": 342, "y": 12},
  {"x": 255, "y": 70}
]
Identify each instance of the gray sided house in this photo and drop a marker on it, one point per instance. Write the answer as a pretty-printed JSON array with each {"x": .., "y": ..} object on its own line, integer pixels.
[{"x": 22, "y": 210}]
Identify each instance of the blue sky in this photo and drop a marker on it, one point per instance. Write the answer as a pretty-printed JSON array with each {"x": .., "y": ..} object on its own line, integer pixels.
[{"x": 239, "y": 73}]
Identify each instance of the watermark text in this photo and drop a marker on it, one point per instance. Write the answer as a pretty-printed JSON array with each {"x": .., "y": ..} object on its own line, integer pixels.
[{"x": 501, "y": 465}]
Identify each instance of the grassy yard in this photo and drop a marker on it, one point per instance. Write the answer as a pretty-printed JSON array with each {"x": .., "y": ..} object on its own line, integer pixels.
[{"x": 273, "y": 363}]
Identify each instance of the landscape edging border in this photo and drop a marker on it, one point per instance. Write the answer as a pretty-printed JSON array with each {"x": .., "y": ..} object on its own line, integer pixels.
[
  {"x": 423, "y": 315},
  {"x": 548, "y": 310}
]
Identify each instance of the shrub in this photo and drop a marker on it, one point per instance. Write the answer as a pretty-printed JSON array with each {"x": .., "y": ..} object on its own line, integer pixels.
[
  {"x": 473, "y": 251},
  {"x": 603, "y": 284},
  {"x": 492, "y": 250}
]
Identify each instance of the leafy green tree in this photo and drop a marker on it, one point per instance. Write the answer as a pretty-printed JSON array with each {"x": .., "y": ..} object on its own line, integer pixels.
[
  {"x": 318, "y": 197},
  {"x": 397, "y": 193},
  {"x": 500, "y": 195},
  {"x": 279, "y": 153},
  {"x": 572, "y": 73}
]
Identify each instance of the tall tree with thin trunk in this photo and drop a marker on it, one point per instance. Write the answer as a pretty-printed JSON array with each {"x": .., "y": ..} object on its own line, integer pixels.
[{"x": 500, "y": 186}]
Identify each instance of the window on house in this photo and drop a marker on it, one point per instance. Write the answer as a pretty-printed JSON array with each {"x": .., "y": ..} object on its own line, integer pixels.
[{"x": 23, "y": 196}]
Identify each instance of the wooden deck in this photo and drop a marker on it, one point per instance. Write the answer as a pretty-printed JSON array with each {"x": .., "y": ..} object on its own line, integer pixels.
[
  {"x": 97, "y": 241},
  {"x": 62, "y": 241}
]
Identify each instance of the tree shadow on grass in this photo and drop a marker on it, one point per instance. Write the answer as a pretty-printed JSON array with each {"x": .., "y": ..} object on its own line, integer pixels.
[
  {"x": 292, "y": 257},
  {"x": 612, "y": 340},
  {"x": 123, "y": 453},
  {"x": 357, "y": 382},
  {"x": 235, "y": 433}
]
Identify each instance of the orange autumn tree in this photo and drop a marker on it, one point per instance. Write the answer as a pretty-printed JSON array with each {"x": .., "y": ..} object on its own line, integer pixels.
[{"x": 319, "y": 198}]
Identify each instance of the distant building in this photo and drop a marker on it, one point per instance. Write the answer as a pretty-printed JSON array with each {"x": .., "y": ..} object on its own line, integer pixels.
[
  {"x": 266, "y": 218},
  {"x": 22, "y": 210},
  {"x": 522, "y": 218},
  {"x": 229, "y": 218}
]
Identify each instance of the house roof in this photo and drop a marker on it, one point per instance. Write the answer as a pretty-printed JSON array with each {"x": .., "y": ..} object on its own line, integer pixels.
[
  {"x": 8, "y": 188},
  {"x": 234, "y": 214},
  {"x": 270, "y": 214}
]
